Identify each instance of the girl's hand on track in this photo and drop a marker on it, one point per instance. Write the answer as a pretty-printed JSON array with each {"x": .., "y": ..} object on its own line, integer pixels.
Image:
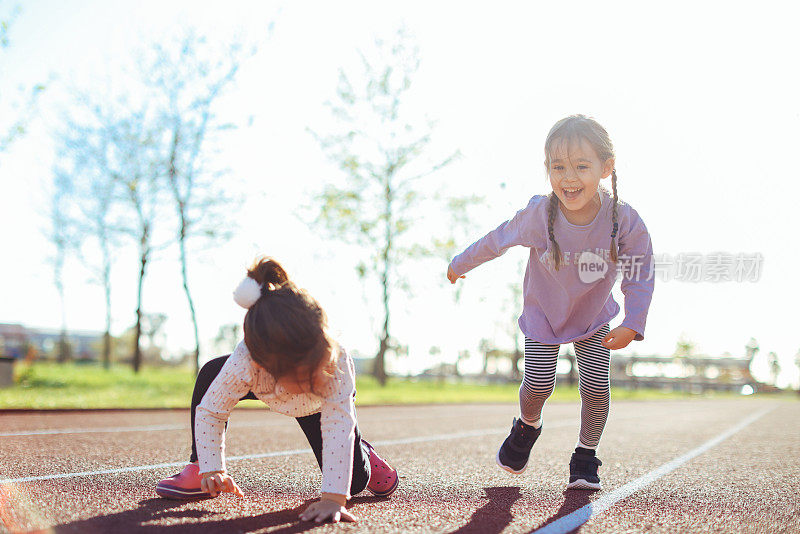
[
  {"x": 215, "y": 482},
  {"x": 452, "y": 276},
  {"x": 327, "y": 509},
  {"x": 619, "y": 338}
]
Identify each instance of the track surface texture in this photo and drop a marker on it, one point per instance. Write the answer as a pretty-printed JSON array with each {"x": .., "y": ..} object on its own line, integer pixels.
[{"x": 680, "y": 466}]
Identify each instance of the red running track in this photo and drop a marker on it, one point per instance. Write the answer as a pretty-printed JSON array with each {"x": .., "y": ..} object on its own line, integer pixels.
[{"x": 681, "y": 466}]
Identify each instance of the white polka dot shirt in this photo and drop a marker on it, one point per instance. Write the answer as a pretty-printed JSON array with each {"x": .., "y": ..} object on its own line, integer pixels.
[{"x": 241, "y": 374}]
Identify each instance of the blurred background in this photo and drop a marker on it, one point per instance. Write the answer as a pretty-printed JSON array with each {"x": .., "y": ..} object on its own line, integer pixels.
[{"x": 149, "y": 151}]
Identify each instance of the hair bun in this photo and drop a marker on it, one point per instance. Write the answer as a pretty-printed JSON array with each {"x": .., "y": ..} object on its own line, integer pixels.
[{"x": 247, "y": 293}]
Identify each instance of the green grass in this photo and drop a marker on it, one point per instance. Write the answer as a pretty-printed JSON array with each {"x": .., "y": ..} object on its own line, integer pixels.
[
  {"x": 51, "y": 385},
  {"x": 402, "y": 391}
]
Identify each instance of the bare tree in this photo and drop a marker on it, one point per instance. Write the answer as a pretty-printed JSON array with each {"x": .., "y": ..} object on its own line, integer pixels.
[
  {"x": 30, "y": 96},
  {"x": 59, "y": 237},
  {"x": 110, "y": 159},
  {"x": 135, "y": 151},
  {"x": 381, "y": 154},
  {"x": 82, "y": 158},
  {"x": 135, "y": 166},
  {"x": 152, "y": 329},
  {"x": 186, "y": 78}
]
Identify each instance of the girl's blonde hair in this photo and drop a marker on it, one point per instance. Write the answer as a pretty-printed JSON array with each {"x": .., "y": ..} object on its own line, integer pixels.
[{"x": 575, "y": 128}]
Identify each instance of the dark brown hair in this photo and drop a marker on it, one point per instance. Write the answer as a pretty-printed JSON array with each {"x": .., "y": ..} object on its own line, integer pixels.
[
  {"x": 572, "y": 128},
  {"x": 285, "y": 330}
]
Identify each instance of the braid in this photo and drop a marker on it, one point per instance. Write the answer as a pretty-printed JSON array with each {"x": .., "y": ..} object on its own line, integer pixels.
[
  {"x": 615, "y": 226},
  {"x": 578, "y": 128},
  {"x": 552, "y": 206}
]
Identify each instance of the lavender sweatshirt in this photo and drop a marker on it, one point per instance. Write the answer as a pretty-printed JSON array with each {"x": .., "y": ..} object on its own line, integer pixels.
[{"x": 572, "y": 303}]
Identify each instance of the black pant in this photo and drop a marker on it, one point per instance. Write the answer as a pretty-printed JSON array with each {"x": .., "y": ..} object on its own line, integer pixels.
[{"x": 310, "y": 425}]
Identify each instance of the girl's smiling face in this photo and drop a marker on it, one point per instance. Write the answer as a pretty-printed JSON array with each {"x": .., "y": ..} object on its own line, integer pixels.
[{"x": 575, "y": 172}]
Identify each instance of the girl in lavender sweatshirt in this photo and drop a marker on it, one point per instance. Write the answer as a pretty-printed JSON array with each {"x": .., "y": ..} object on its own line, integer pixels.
[{"x": 581, "y": 239}]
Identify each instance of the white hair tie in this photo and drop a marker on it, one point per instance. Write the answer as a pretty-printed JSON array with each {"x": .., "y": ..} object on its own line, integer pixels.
[{"x": 247, "y": 293}]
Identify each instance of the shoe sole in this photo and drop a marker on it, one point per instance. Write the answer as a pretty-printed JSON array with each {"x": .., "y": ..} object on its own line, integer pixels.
[
  {"x": 387, "y": 492},
  {"x": 506, "y": 468},
  {"x": 584, "y": 485},
  {"x": 169, "y": 492}
]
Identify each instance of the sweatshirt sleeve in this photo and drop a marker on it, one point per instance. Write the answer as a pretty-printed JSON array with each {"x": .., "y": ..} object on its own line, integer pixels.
[
  {"x": 338, "y": 422},
  {"x": 636, "y": 260},
  {"x": 232, "y": 383},
  {"x": 520, "y": 230}
]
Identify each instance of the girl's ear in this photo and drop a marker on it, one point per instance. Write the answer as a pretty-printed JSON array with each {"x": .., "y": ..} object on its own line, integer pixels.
[{"x": 608, "y": 166}]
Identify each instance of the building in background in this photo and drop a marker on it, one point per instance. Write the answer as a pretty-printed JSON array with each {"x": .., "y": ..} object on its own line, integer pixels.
[
  {"x": 13, "y": 340},
  {"x": 689, "y": 373},
  {"x": 694, "y": 374},
  {"x": 21, "y": 342}
]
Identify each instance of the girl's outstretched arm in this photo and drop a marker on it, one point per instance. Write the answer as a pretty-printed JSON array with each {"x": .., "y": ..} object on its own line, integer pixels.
[{"x": 522, "y": 229}]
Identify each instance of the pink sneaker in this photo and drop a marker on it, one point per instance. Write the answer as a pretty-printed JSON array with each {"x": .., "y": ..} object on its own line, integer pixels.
[
  {"x": 383, "y": 479},
  {"x": 184, "y": 485}
]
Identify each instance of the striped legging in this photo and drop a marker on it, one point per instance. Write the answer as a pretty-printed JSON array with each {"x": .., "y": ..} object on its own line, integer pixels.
[{"x": 540, "y": 378}]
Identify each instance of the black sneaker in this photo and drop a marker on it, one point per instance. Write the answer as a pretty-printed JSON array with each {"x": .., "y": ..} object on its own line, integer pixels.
[
  {"x": 516, "y": 449},
  {"x": 583, "y": 472}
]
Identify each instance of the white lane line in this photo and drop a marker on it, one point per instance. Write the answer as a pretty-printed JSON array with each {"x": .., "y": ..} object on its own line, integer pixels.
[
  {"x": 156, "y": 428},
  {"x": 115, "y": 429},
  {"x": 403, "y": 441},
  {"x": 91, "y": 430},
  {"x": 439, "y": 437},
  {"x": 580, "y": 516}
]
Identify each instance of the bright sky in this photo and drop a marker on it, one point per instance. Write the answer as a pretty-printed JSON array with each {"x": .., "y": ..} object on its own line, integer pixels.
[{"x": 699, "y": 98}]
